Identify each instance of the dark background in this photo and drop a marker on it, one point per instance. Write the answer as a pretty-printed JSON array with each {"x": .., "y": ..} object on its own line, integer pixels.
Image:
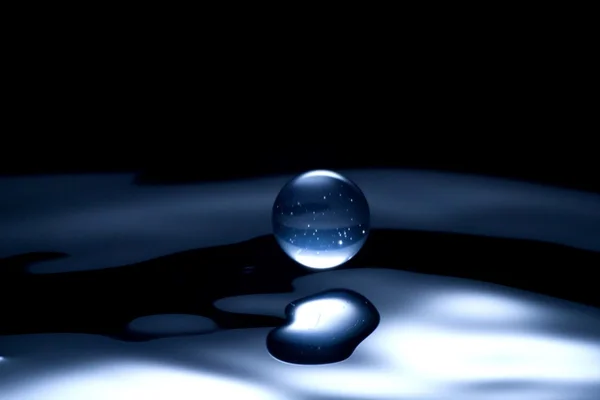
[
  {"x": 510, "y": 100},
  {"x": 208, "y": 158}
]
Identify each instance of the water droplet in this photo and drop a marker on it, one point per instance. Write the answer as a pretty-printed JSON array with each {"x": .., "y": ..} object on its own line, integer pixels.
[
  {"x": 323, "y": 328},
  {"x": 323, "y": 216}
]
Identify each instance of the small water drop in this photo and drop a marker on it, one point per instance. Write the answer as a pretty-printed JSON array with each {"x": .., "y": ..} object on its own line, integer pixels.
[
  {"x": 323, "y": 328},
  {"x": 309, "y": 202}
]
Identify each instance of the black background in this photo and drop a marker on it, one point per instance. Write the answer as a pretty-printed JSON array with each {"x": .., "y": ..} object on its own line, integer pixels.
[
  {"x": 206, "y": 157},
  {"x": 513, "y": 101}
]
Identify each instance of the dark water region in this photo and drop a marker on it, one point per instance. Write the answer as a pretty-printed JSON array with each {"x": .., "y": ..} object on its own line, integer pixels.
[{"x": 105, "y": 301}]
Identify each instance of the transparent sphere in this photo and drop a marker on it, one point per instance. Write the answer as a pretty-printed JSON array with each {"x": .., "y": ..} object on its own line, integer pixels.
[{"x": 321, "y": 219}]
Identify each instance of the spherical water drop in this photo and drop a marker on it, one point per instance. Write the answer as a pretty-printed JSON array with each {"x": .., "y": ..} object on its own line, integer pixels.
[{"x": 321, "y": 219}]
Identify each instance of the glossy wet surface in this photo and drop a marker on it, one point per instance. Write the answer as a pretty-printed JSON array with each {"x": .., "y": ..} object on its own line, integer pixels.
[{"x": 194, "y": 285}]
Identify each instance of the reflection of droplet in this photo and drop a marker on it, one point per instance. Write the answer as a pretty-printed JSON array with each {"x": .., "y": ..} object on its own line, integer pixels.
[
  {"x": 323, "y": 328},
  {"x": 312, "y": 211}
]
